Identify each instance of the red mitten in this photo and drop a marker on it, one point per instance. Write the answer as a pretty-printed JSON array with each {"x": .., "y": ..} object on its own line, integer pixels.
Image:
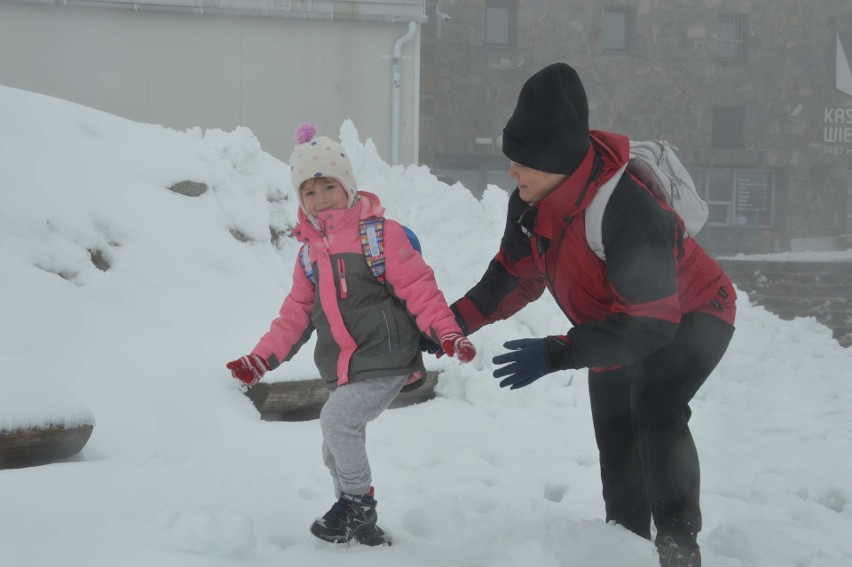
[
  {"x": 455, "y": 344},
  {"x": 248, "y": 369}
]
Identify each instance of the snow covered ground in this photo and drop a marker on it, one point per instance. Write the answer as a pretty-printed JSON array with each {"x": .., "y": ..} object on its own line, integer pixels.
[{"x": 180, "y": 470}]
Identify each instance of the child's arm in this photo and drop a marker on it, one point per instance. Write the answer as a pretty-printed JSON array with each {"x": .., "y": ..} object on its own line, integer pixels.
[
  {"x": 411, "y": 280},
  {"x": 292, "y": 328}
]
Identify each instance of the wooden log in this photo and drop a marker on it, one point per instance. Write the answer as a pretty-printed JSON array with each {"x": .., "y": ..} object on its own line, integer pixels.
[
  {"x": 35, "y": 447},
  {"x": 297, "y": 401}
]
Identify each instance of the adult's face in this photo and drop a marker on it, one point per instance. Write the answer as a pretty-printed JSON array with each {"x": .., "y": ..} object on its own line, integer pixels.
[{"x": 534, "y": 185}]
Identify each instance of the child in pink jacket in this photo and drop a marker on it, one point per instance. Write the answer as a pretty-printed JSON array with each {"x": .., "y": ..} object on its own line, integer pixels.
[{"x": 368, "y": 331}]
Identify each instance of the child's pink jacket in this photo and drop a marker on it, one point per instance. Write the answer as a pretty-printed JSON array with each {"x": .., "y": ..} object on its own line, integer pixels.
[{"x": 364, "y": 329}]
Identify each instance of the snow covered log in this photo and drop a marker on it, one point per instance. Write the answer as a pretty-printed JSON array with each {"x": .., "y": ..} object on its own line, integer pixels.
[
  {"x": 41, "y": 421},
  {"x": 289, "y": 401},
  {"x": 35, "y": 447}
]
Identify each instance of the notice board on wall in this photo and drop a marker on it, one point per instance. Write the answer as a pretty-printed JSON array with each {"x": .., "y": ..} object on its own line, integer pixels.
[{"x": 754, "y": 197}]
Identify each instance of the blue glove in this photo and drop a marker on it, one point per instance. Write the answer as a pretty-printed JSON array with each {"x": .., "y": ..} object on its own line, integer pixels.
[{"x": 528, "y": 361}]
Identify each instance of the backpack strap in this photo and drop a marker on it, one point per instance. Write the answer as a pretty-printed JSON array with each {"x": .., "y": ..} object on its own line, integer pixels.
[
  {"x": 594, "y": 213},
  {"x": 372, "y": 244},
  {"x": 305, "y": 260},
  {"x": 371, "y": 233}
]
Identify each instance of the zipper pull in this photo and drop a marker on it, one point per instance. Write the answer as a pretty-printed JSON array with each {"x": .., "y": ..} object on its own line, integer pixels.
[{"x": 341, "y": 275}]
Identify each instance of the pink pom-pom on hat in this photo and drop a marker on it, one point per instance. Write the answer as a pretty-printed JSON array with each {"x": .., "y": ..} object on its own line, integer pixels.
[{"x": 305, "y": 132}]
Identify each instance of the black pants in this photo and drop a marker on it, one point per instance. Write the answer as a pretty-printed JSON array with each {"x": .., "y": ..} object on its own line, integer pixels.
[{"x": 649, "y": 463}]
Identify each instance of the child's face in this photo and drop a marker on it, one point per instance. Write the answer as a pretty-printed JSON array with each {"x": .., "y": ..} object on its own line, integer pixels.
[{"x": 323, "y": 193}]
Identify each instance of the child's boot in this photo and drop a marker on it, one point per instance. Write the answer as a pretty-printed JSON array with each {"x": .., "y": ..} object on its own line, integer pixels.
[{"x": 351, "y": 517}]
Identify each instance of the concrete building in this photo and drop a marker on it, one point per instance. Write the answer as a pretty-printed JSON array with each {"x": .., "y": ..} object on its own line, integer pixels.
[
  {"x": 263, "y": 64},
  {"x": 756, "y": 94}
]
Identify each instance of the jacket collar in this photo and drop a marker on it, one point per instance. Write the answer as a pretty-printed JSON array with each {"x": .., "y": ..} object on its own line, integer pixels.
[
  {"x": 332, "y": 221},
  {"x": 607, "y": 153}
]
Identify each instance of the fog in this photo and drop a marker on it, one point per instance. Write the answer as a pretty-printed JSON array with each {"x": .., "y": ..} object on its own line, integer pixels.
[{"x": 757, "y": 97}]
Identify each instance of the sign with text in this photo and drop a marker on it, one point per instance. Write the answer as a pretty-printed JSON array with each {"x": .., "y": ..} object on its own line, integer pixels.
[
  {"x": 754, "y": 197},
  {"x": 837, "y": 131}
]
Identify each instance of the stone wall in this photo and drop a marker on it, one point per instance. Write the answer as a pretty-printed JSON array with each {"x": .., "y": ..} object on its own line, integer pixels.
[
  {"x": 822, "y": 290},
  {"x": 666, "y": 85}
]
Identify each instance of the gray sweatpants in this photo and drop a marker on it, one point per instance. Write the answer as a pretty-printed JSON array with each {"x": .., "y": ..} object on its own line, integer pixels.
[{"x": 344, "y": 419}]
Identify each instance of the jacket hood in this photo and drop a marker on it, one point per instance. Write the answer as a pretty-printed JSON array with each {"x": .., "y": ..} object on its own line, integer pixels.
[{"x": 614, "y": 149}]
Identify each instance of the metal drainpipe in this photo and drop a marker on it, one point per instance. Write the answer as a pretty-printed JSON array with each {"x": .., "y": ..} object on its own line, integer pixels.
[{"x": 397, "y": 87}]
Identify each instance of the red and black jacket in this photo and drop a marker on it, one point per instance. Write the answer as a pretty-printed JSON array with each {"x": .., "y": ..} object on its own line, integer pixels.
[{"x": 622, "y": 309}]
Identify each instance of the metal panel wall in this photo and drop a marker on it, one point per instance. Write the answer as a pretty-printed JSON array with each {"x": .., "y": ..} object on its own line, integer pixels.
[{"x": 183, "y": 70}]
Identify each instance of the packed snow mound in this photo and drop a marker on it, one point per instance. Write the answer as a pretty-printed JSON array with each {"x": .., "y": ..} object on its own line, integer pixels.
[{"x": 133, "y": 297}]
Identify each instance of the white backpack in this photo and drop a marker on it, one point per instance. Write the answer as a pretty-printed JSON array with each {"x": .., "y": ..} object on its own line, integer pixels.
[{"x": 657, "y": 166}]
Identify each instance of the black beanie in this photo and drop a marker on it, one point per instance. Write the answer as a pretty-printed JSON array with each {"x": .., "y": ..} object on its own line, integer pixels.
[{"x": 549, "y": 129}]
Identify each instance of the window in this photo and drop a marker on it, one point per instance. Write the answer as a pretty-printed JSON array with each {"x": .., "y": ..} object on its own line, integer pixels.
[
  {"x": 728, "y": 127},
  {"x": 736, "y": 196},
  {"x": 617, "y": 29},
  {"x": 720, "y": 196},
  {"x": 500, "y": 20},
  {"x": 732, "y": 33}
]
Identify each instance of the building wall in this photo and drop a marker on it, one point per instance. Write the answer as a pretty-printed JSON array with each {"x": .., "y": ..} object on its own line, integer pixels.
[
  {"x": 666, "y": 85},
  {"x": 215, "y": 70}
]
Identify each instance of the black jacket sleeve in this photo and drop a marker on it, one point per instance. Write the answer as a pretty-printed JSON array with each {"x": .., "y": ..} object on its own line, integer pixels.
[
  {"x": 641, "y": 240},
  {"x": 511, "y": 280}
]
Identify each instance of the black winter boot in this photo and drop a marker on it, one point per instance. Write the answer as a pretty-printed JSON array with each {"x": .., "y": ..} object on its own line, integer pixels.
[
  {"x": 673, "y": 555},
  {"x": 351, "y": 517}
]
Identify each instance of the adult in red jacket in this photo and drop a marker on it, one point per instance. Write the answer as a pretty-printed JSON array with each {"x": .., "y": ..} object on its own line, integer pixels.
[{"x": 651, "y": 322}]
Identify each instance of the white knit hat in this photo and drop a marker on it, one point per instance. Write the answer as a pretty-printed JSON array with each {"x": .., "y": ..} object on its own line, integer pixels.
[{"x": 320, "y": 157}]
